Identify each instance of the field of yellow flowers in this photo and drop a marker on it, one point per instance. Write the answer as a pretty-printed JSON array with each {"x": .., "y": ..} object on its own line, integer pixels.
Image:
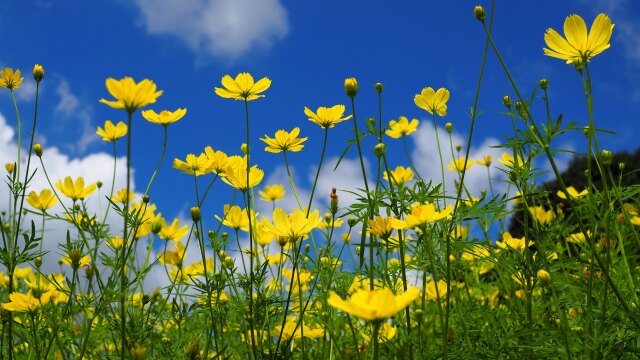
[{"x": 410, "y": 271}]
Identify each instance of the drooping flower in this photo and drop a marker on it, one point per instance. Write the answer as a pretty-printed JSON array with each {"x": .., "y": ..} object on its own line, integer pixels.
[
  {"x": 578, "y": 44},
  {"x": 130, "y": 95},
  {"x": 43, "y": 201},
  {"x": 374, "y": 305},
  {"x": 327, "y": 117},
  {"x": 111, "y": 132},
  {"x": 75, "y": 190},
  {"x": 165, "y": 117},
  {"x": 573, "y": 193},
  {"x": 486, "y": 161},
  {"x": 242, "y": 87},
  {"x": 433, "y": 101},
  {"x": 402, "y": 127},
  {"x": 457, "y": 165},
  {"x": 509, "y": 242},
  {"x": 272, "y": 192},
  {"x": 81, "y": 261},
  {"x": 9, "y": 79},
  {"x": 381, "y": 227},
  {"x": 293, "y": 227},
  {"x": 400, "y": 175},
  {"x": 284, "y": 141}
]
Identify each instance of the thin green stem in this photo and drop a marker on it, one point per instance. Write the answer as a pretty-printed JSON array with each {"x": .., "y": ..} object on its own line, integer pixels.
[
  {"x": 125, "y": 242},
  {"x": 293, "y": 186},
  {"x": 164, "y": 152}
]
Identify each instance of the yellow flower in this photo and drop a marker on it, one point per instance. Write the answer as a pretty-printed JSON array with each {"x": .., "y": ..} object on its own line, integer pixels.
[
  {"x": 327, "y": 117},
  {"x": 573, "y": 193},
  {"x": 193, "y": 165},
  {"x": 9, "y": 79},
  {"x": 38, "y": 72},
  {"x": 175, "y": 256},
  {"x": 387, "y": 332},
  {"x": 457, "y": 165},
  {"x": 432, "y": 101},
  {"x": 130, "y": 95},
  {"x": 374, "y": 305},
  {"x": 293, "y": 331},
  {"x": 121, "y": 196},
  {"x": 42, "y": 202},
  {"x": 272, "y": 192},
  {"x": 236, "y": 177},
  {"x": 486, "y": 161},
  {"x": 236, "y": 218},
  {"x": 509, "y": 242},
  {"x": 26, "y": 303},
  {"x": 243, "y": 87},
  {"x": 578, "y": 238},
  {"x": 115, "y": 242},
  {"x": 507, "y": 160},
  {"x": 578, "y": 45},
  {"x": 293, "y": 227},
  {"x": 10, "y": 167},
  {"x": 165, "y": 117},
  {"x": 284, "y": 141},
  {"x": 541, "y": 215},
  {"x": 402, "y": 127},
  {"x": 75, "y": 191},
  {"x": 112, "y": 132},
  {"x": 422, "y": 214},
  {"x": 174, "y": 231},
  {"x": 400, "y": 175},
  {"x": 218, "y": 160},
  {"x": 381, "y": 227},
  {"x": 431, "y": 293},
  {"x": 82, "y": 262}
]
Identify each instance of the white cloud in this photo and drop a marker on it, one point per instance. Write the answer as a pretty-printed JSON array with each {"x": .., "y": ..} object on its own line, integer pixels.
[
  {"x": 347, "y": 177},
  {"x": 220, "y": 28},
  {"x": 71, "y": 108}
]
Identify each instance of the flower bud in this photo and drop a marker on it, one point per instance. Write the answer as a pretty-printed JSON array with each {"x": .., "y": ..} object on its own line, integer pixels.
[
  {"x": 586, "y": 131},
  {"x": 480, "y": 13},
  {"x": 224, "y": 236},
  {"x": 483, "y": 193},
  {"x": 621, "y": 166},
  {"x": 75, "y": 256},
  {"x": 379, "y": 149},
  {"x": 346, "y": 238},
  {"x": 228, "y": 262},
  {"x": 458, "y": 147},
  {"x": 351, "y": 87},
  {"x": 333, "y": 202},
  {"x": 88, "y": 272},
  {"x": 244, "y": 148},
  {"x": 10, "y": 167},
  {"x": 606, "y": 157},
  {"x": 513, "y": 176},
  {"x": 506, "y": 101},
  {"x": 195, "y": 214},
  {"x": 282, "y": 241},
  {"x": 378, "y": 87},
  {"x": 578, "y": 64},
  {"x": 544, "y": 84},
  {"x": 448, "y": 126},
  {"x": 352, "y": 221},
  {"x": 211, "y": 234},
  {"x": 37, "y": 148},
  {"x": 544, "y": 277},
  {"x": 138, "y": 353},
  {"x": 99, "y": 184},
  {"x": 38, "y": 72},
  {"x": 38, "y": 262},
  {"x": 156, "y": 227},
  {"x": 145, "y": 199},
  {"x": 307, "y": 248},
  {"x": 222, "y": 254}
]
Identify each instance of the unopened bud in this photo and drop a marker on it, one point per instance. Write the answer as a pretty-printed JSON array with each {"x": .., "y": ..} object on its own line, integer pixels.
[
  {"x": 352, "y": 221},
  {"x": 544, "y": 84},
  {"x": 10, "y": 167},
  {"x": 506, "y": 101},
  {"x": 244, "y": 148},
  {"x": 513, "y": 176},
  {"x": 458, "y": 147},
  {"x": 333, "y": 201},
  {"x": 38, "y": 262},
  {"x": 228, "y": 262},
  {"x": 222, "y": 254},
  {"x": 544, "y": 277},
  {"x": 479, "y": 13},
  {"x": 224, "y": 236},
  {"x": 351, "y": 87},
  {"x": 378, "y": 87},
  {"x": 195, "y": 214},
  {"x": 75, "y": 256},
  {"x": 88, "y": 272},
  {"x": 145, "y": 199},
  {"x": 606, "y": 157},
  {"x": 38, "y": 72},
  {"x": 483, "y": 193},
  {"x": 138, "y": 353},
  {"x": 307, "y": 248},
  {"x": 37, "y": 148},
  {"x": 211, "y": 234},
  {"x": 621, "y": 166},
  {"x": 448, "y": 126},
  {"x": 379, "y": 149},
  {"x": 282, "y": 241},
  {"x": 156, "y": 227},
  {"x": 99, "y": 184}
]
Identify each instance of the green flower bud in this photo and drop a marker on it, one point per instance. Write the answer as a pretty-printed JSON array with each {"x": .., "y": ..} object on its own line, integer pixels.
[
  {"x": 378, "y": 87},
  {"x": 544, "y": 84},
  {"x": 379, "y": 149},
  {"x": 480, "y": 13}
]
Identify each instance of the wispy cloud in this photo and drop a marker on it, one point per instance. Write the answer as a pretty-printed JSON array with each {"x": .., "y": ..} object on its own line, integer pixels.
[
  {"x": 70, "y": 107},
  {"x": 219, "y": 28}
]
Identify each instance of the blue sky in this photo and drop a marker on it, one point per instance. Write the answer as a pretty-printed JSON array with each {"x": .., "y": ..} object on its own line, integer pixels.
[{"x": 307, "y": 49}]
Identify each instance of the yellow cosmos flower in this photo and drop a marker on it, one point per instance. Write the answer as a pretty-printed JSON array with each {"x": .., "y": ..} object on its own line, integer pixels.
[
  {"x": 578, "y": 238},
  {"x": 486, "y": 161},
  {"x": 327, "y": 117},
  {"x": 457, "y": 165},
  {"x": 130, "y": 95},
  {"x": 402, "y": 127},
  {"x": 9, "y": 79},
  {"x": 236, "y": 177},
  {"x": 75, "y": 190},
  {"x": 430, "y": 291},
  {"x": 174, "y": 231},
  {"x": 121, "y": 196},
  {"x": 433, "y": 101},
  {"x": 165, "y": 117},
  {"x": 82, "y": 262},
  {"x": 111, "y": 132},
  {"x": 374, "y": 305},
  {"x": 236, "y": 218},
  {"x": 541, "y": 215},
  {"x": 400, "y": 175},
  {"x": 193, "y": 165},
  {"x": 26, "y": 303},
  {"x": 175, "y": 256},
  {"x": 509, "y": 242},
  {"x": 578, "y": 44},
  {"x": 243, "y": 87},
  {"x": 422, "y": 214},
  {"x": 386, "y": 333},
  {"x": 272, "y": 192},
  {"x": 635, "y": 220},
  {"x": 294, "y": 331},
  {"x": 218, "y": 160},
  {"x": 44, "y": 201},
  {"x": 115, "y": 242},
  {"x": 381, "y": 227},
  {"x": 507, "y": 160},
  {"x": 293, "y": 227},
  {"x": 284, "y": 141},
  {"x": 573, "y": 193}
]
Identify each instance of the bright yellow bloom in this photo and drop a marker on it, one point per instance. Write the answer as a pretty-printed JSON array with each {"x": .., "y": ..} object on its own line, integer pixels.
[
  {"x": 165, "y": 117},
  {"x": 130, "y": 95},
  {"x": 272, "y": 192},
  {"x": 422, "y": 214},
  {"x": 486, "y": 161},
  {"x": 145, "y": 213},
  {"x": 236, "y": 177},
  {"x": 381, "y": 227},
  {"x": 509, "y": 242},
  {"x": 218, "y": 160},
  {"x": 635, "y": 220},
  {"x": 573, "y": 193},
  {"x": 293, "y": 330},
  {"x": 579, "y": 45},
  {"x": 174, "y": 231},
  {"x": 82, "y": 262},
  {"x": 578, "y": 238},
  {"x": 284, "y": 141},
  {"x": 42, "y": 202},
  {"x": 374, "y": 305},
  {"x": 507, "y": 160},
  {"x": 432, "y": 101},
  {"x": 26, "y": 303},
  {"x": 327, "y": 117},
  {"x": 402, "y": 127},
  {"x": 55, "y": 284},
  {"x": 400, "y": 175},
  {"x": 431, "y": 293},
  {"x": 112, "y": 132},
  {"x": 121, "y": 196},
  {"x": 75, "y": 191},
  {"x": 175, "y": 256},
  {"x": 236, "y": 218},
  {"x": 190, "y": 272},
  {"x": 386, "y": 333},
  {"x": 9, "y": 79},
  {"x": 193, "y": 165},
  {"x": 21, "y": 272},
  {"x": 329, "y": 223},
  {"x": 115, "y": 242},
  {"x": 293, "y": 227},
  {"x": 457, "y": 165},
  {"x": 351, "y": 86},
  {"x": 541, "y": 215},
  {"x": 10, "y": 167},
  {"x": 243, "y": 87}
]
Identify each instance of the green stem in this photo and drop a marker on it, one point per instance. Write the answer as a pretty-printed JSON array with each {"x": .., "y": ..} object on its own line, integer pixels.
[
  {"x": 125, "y": 242},
  {"x": 164, "y": 152},
  {"x": 293, "y": 187}
]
